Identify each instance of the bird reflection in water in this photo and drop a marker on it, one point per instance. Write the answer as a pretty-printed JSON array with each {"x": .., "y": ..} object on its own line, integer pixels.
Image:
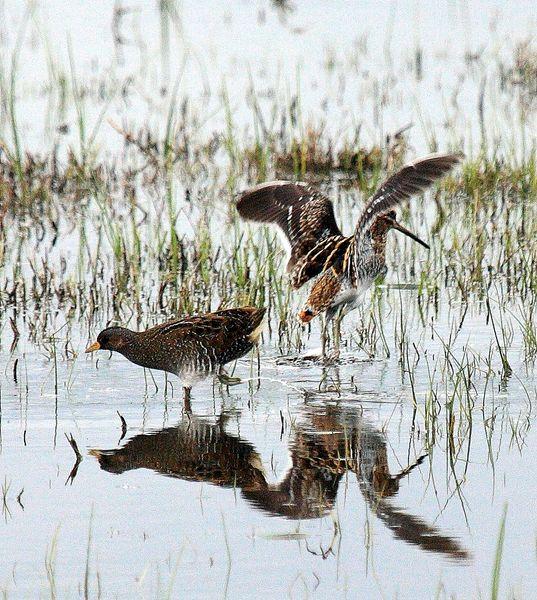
[{"x": 328, "y": 443}]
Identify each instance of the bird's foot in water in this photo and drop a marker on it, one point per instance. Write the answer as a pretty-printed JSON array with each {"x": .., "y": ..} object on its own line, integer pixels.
[
  {"x": 314, "y": 355},
  {"x": 226, "y": 379},
  {"x": 317, "y": 355}
]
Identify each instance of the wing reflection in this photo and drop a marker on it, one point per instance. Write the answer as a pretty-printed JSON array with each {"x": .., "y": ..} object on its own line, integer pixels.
[{"x": 327, "y": 443}]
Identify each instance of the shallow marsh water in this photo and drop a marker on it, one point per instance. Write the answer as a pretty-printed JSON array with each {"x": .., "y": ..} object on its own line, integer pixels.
[
  {"x": 275, "y": 492},
  {"x": 386, "y": 474}
]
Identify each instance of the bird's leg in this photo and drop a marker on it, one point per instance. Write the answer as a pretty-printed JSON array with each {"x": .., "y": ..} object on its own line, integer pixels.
[
  {"x": 324, "y": 337},
  {"x": 186, "y": 399},
  {"x": 225, "y": 379},
  {"x": 337, "y": 331},
  {"x": 323, "y": 340},
  {"x": 323, "y": 380}
]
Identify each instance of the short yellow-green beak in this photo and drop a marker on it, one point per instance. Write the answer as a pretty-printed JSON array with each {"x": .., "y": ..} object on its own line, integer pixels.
[{"x": 93, "y": 347}]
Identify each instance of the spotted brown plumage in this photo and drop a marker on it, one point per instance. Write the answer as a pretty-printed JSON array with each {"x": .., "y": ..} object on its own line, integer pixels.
[
  {"x": 326, "y": 288},
  {"x": 344, "y": 266},
  {"x": 192, "y": 347}
]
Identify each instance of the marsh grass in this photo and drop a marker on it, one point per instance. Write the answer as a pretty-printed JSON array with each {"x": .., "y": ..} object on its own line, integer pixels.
[{"x": 495, "y": 586}]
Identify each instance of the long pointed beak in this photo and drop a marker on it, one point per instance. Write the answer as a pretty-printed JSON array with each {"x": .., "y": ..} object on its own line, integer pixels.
[
  {"x": 93, "y": 347},
  {"x": 408, "y": 233}
]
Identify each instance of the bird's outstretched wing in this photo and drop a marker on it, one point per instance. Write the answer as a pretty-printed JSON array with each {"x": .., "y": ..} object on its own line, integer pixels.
[
  {"x": 413, "y": 178},
  {"x": 304, "y": 215}
]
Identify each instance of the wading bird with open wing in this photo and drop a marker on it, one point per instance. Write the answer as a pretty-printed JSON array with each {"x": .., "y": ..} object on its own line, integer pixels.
[{"x": 344, "y": 266}]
